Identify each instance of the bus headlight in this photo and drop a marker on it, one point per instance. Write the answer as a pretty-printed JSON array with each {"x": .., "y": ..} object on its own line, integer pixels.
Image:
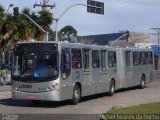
[
  {"x": 15, "y": 88},
  {"x": 56, "y": 86},
  {"x": 53, "y": 87},
  {"x": 50, "y": 88}
]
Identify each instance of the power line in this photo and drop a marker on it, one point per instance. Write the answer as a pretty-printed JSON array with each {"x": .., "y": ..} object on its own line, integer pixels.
[{"x": 138, "y": 2}]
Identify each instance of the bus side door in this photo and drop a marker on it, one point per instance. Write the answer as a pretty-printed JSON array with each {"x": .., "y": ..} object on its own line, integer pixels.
[
  {"x": 104, "y": 72},
  {"x": 96, "y": 70},
  {"x": 88, "y": 88},
  {"x": 128, "y": 69},
  {"x": 112, "y": 66},
  {"x": 66, "y": 76}
]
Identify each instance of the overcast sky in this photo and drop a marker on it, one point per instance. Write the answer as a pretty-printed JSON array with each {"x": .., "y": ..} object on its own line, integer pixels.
[{"x": 118, "y": 15}]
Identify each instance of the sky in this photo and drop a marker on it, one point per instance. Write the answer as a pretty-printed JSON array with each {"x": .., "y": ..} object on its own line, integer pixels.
[{"x": 139, "y": 16}]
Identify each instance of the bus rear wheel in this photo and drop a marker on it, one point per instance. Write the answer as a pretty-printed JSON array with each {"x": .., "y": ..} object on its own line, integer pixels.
[
  {"x": 143, "y": 82},
  {"x": 76, "y": 95},
  {"x": 112, "y": 88}
]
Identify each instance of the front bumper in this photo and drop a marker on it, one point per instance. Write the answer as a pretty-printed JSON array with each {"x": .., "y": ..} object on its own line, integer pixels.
[{"x": 46, "y": 96}]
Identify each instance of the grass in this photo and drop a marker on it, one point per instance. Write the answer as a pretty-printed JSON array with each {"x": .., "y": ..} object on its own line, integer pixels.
[
  {"x": 145, "y": 111},
  {"x": 151, "y": 108}
]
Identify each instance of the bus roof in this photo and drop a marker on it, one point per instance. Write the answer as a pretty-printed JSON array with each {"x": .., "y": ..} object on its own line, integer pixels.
[{"x": 82, "y": 45}]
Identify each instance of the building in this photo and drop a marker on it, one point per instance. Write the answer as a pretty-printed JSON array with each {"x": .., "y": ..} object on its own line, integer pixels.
[{"x": 103, "y": 39}]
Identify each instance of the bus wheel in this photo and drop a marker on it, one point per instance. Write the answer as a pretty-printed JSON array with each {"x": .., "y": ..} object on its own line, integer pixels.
[
  {"x": 76, "y": 95},
  {"x": 112, "y": 88},
  {"x": 143, "y": 82}
]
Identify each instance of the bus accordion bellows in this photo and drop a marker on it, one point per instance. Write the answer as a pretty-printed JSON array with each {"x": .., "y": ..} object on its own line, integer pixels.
[{"x": 56, "y": 71}]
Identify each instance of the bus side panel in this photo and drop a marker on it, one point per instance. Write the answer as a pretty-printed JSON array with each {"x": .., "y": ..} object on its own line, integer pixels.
[
  {"x": 67, "y": 88},
  {"x": 105, "y": 82},
  {"x": 96, "y": 79},
  {"x": 140, "y": 70},
  {"x": 87, "y": 85},
  {"x": 129, "y": 81}
]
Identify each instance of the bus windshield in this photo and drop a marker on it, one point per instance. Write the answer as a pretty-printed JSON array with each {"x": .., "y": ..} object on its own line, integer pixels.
[{"x": 35, "y": 65}]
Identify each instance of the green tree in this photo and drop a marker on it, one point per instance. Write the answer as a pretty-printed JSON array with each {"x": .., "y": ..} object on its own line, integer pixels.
[
  {"x": 68, "y": 30},
  {"x": 68, "y": 33}
]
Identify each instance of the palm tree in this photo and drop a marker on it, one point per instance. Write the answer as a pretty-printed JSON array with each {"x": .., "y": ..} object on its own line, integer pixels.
[
  {"x": 2, "y": 14},
  {"x": 1, "y": 26},
  {"x": 8, "y": 29},
  {"x": 26, "y": 11},
  {"x": 26, "y": 28},
  {"x": 12, "y": 30},
  {"x": 1, "y": 20},
  {"x": 45, "y": 20}
]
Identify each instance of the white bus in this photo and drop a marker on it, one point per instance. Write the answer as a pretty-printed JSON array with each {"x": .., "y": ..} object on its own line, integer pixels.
[{"x": 56, "y": 71}]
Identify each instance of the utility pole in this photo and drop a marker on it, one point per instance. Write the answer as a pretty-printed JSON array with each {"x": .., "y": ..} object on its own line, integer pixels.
[
  {"x": 64, "y": 12},
  {"x": 44, "y": 5},
  {"x": 157, "y": 32}
]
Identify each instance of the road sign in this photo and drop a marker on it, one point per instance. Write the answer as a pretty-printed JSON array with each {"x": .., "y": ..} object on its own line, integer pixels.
[{"x": 95, "y": 7}]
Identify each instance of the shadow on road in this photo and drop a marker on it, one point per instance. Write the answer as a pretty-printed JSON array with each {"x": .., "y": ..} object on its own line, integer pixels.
[
  {"x": 11, "y": 102},
  {"x": 28, "y": 103},
  {"x": 101, "y": 95}
]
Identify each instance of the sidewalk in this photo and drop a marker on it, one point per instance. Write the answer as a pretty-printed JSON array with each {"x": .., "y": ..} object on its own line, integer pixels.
[{"x": 5, "y": 88}]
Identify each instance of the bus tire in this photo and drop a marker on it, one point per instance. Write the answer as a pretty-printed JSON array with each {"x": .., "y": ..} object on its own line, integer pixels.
[
  {"x": 112, "y": 88},
  {"x": 76, "y": 95},
  {"x": 143, "y": 82}
]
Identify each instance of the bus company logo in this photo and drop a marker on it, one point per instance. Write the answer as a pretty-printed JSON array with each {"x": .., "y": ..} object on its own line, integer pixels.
[{"x": 25, "y": 86}]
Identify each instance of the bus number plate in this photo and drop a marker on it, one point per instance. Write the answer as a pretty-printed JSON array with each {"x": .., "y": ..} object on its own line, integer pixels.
[{"x": 25, "y": 86}]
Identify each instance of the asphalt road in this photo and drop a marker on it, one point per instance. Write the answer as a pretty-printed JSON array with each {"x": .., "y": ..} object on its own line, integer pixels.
[{"x": 90, "y": 107}]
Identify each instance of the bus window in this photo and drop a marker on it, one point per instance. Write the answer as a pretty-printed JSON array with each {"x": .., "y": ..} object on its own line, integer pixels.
[
  {"x": 46, "y": 65},
  {"x": 76, "y": 59},
  {"x": 149, "y": 58},
  {"x": 143, "y": 58},
  {"x": 112, "y": 59},
  {"x": 95, "y": 59},
  {"x": 136, "y": 58},
  {"x": 65, "y": 63},
  {"x": 127, "y": 55},
  {"x": 103, "y": 59},
  {"x": 86, "y": 59}
]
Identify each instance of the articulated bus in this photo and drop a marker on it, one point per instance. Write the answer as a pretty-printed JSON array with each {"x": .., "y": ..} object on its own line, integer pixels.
[{"x": 56, "y": 71}]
